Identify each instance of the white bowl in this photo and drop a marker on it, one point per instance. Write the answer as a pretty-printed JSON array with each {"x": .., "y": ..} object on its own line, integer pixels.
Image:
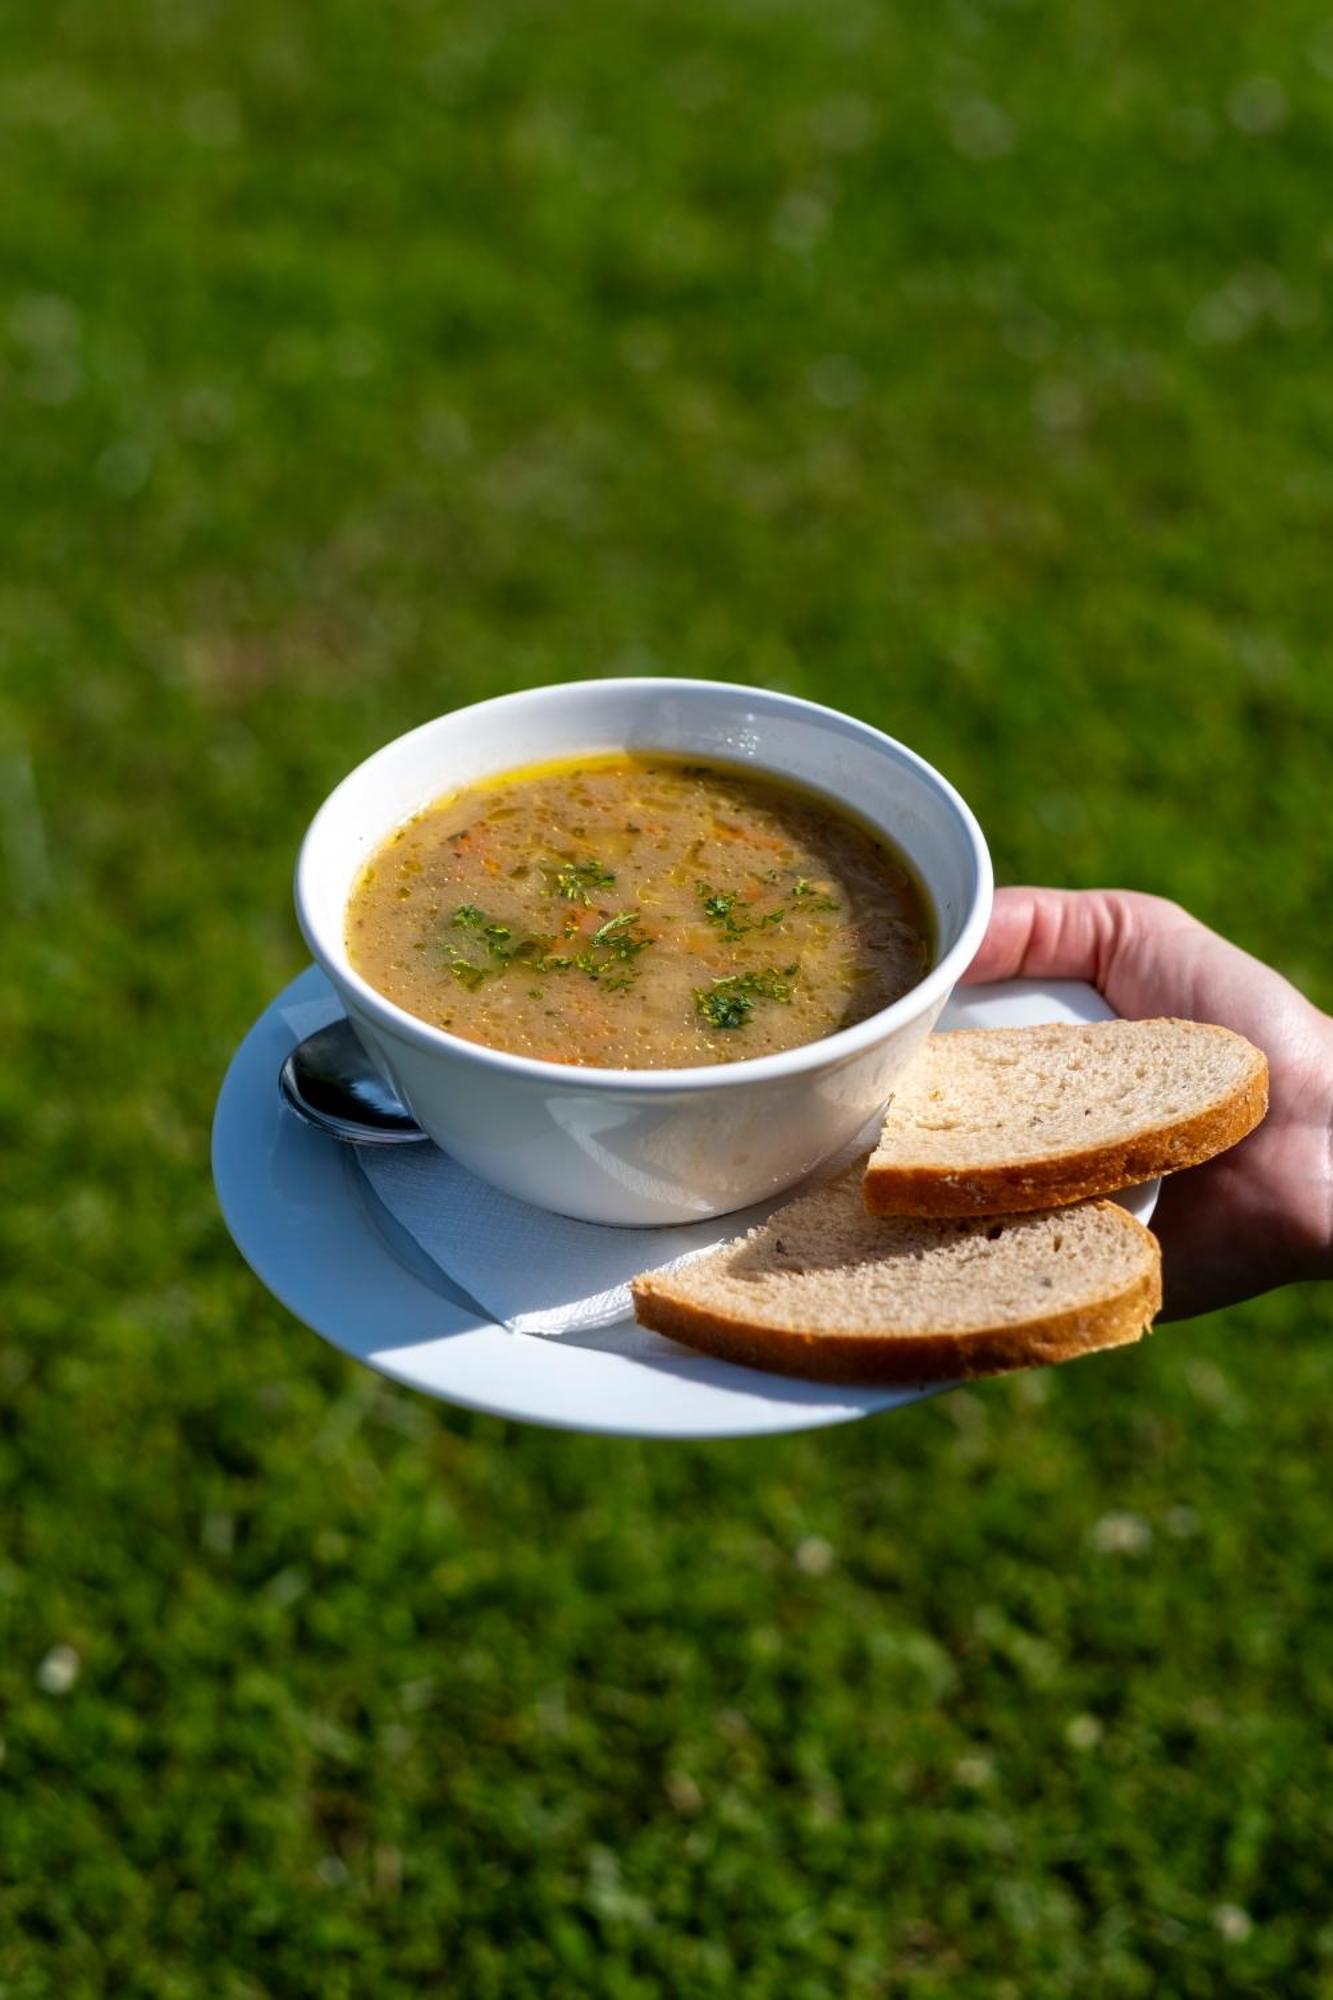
[{"x": 656, "y": 1145}]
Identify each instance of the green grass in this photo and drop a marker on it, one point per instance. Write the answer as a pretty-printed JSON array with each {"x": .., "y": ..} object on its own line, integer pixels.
[{"x": 965, "y": 365}]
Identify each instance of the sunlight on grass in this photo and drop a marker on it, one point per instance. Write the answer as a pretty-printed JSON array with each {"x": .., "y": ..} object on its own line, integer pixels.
[{"x": 965, "y": 367}]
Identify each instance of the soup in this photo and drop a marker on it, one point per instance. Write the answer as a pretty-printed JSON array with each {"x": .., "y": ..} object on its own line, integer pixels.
[{"x": 638, "y": 912}]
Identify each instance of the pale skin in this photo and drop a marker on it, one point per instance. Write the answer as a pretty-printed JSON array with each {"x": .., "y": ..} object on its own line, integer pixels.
[{"x": 1261, "y": 1215}]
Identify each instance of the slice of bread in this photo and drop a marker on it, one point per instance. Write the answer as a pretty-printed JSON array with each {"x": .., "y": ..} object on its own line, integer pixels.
[
  {"x": 826, "y": 1291},
  {"x": 991, "y": 1120}
]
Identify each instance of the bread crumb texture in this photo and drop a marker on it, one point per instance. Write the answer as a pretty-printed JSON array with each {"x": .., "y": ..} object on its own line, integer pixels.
[
  {"x": 1024, "y": 1118},
  {"x": 826, "y": 1290}
]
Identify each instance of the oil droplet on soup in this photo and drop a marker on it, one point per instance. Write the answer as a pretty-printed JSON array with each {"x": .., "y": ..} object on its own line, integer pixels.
[{"x": 638, "y": 912}]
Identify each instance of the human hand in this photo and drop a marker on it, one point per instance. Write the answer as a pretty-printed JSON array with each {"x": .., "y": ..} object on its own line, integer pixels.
[{"x": 1260, "y": 1215}]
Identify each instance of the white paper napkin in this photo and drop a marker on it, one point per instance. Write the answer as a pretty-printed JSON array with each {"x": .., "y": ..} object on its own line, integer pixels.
[{"x": 536, "y": 1272}]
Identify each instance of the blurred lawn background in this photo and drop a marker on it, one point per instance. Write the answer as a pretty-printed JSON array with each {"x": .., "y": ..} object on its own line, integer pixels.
[{"x": 963, "y": 364}]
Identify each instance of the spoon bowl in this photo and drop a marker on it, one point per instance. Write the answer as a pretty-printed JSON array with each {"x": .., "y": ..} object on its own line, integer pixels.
[{"x": 330, "y": 1081}]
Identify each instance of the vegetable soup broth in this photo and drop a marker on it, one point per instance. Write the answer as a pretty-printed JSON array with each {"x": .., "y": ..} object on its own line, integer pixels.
[{"x": 637, "y": 912}]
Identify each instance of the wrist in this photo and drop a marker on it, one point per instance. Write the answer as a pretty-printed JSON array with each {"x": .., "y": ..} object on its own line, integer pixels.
[
  {"x": 1313, "y": 1249},
  {"x": 1326, "y": 1253}
]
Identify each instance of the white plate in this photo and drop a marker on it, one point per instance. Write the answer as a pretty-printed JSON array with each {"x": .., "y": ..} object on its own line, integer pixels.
[{"x": 306, "y": 1222}]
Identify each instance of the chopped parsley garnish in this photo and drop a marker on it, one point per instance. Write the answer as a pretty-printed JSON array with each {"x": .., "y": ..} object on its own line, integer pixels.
[
  {"x": 729, "y": 1003},
  {"x": 467, "y": 974},
  {"x": 496, "y": 940},
  {"x": 618, "y": 928},
  {"x": 574, "y": 881},
  {"x": 608, "y": 956},
  {"x": 720, "y": 909},
  {"x": 735, "y": 918},
  {"x": 722, "y": 1007},
  {"x": 467, "y": 917},
  {"x": 611, "y": 951},
  {"x": 805, "y": 889}
]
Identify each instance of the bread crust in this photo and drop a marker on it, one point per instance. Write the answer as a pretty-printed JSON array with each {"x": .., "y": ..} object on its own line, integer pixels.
[
  {"x": 908, "y": 1360},
  {"x": 1062, "y": 1178}
]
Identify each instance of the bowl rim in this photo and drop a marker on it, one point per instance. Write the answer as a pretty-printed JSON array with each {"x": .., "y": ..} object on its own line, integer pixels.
[{"x": 828, "y": 1051}]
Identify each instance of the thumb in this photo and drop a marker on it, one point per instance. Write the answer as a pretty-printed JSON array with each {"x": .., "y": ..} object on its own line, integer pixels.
[{"x": 1049, "y": 934}]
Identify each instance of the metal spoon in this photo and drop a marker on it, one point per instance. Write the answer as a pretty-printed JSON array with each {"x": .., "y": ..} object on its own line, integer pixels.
[{"x": 330, "y": 1081}]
